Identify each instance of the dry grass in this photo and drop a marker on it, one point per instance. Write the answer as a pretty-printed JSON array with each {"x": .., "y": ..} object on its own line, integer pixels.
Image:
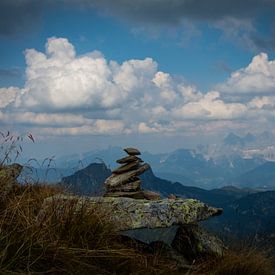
[
  {"x": 238, "y": 261},
  {"x": 82, "y": 243},
  {"x": 85, "y": 242}
]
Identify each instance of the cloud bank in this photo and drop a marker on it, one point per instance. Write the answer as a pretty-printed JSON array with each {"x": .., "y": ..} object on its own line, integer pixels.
[
  {"x": 67, "y": 94},
  {"x": 257, "y": 78},
  {"x": 236, "y": 19}
]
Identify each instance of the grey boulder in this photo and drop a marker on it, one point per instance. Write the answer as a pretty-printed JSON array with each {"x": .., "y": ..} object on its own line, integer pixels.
[{"x": 128, "y": 213}]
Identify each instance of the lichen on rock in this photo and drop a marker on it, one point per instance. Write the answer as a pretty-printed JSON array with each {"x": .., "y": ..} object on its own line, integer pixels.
[
  {"x": 128, "y": 213},
  {"x": 193, "y": 241},
  {"x": 131, "y": 208}
]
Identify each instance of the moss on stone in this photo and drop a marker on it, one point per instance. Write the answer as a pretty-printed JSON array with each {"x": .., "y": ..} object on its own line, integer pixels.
[{"x": 132, "y": 214}]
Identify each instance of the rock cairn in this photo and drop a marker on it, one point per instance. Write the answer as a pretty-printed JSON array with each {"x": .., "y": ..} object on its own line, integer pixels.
[{"x": 124, "y": 181}]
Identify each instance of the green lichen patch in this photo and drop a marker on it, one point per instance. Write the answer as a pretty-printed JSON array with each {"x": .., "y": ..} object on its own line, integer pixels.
[{"x": 129, "y": 213}]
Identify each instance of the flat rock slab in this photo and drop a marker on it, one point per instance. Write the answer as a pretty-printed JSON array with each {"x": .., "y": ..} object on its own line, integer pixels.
[
  {"x": 127, "y": 167},
  {"x": 127, "y": 213},
  {"x": 149, "y": 235},
  {"x": 131, "y": 186},
  {"x": 129, "y": 159},
  {"x": 119, "y": 179},
  {"x": 142, "y": 194},
  {"x": 132, "y": 151}
]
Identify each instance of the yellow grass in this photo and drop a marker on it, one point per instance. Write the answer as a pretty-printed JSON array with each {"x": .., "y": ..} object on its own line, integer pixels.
[{"x": 82, "y": 243}]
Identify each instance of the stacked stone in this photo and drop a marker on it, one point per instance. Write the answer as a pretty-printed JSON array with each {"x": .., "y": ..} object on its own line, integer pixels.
[{"x": 124, "y": 181}]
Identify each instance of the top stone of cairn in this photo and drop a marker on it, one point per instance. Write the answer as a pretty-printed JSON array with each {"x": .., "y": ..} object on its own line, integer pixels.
[{"x": 132, "y": 151}]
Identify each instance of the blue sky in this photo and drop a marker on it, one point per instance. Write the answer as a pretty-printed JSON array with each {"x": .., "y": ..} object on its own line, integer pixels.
[
  {"x": 204, "y": 59},
  {"x": 194, "y": 51}
]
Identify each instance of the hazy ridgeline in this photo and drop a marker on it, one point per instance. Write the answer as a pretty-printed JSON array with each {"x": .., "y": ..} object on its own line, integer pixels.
[{"x": 88, "y": 243}]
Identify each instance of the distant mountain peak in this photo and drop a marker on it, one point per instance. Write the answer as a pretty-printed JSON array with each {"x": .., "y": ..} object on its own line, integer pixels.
[
  {"x": 249, "y": 137},
  {"x": 87, "y": 181},
  {"x": 233, "y": 139}
]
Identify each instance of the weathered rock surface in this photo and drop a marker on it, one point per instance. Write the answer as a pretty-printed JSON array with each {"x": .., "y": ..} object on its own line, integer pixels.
[
  {"x": 124, "y": 181},
  {"x": 128, "y": 159},
  {"x": 149, "y": 235},
  {"x": 166, "y": 251},
  {"x": 132, "y": 151},
  {"x": 147, "y": 195},
  {"x": 132, "y": 186},
  {"x": 8, "y": 176},
  {"x": 121, "y": 179},
  {"x": 127, "y": 167},
  {"x": 127, "y": 213},
  {"x": 194, "y": 242},
  {"x": 140, "y": 214}
]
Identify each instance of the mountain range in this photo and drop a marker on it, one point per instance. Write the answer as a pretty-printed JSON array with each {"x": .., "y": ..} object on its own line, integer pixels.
[
  {"x": 246, "y": 211},
  {"x": 262, "y": 176},
  {"x": 235, "y": 161},
  {"x": 232, "y": 139},
  {"x": 264, "y": 138},
  {"x": 187, "y": 166},
  {"x": 88, "y": 181},
  {"x": 251, "y": 215}
]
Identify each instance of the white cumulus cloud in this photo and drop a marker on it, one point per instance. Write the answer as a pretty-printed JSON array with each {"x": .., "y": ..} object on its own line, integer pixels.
[
  {"x": 210, "y": 106},
  {"x": 68, "y": 94},
  {"x": 257, "y": 78},
  {"x": 8, "y": 96}
]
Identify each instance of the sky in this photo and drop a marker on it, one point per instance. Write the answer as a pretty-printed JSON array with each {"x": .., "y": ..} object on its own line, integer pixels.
[{"x": 156, "y": 74}]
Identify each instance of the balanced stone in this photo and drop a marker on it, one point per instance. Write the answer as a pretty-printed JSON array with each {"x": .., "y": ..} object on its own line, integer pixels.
[
  {"x": 119, "y": 179},
  {"x": 124, "y": 181},
  {"x": 147, "y": 195},
  {"x": 131, "y": 186},
  {"x": 129, "y": 159},
  {"x": 127, "y": 167},
  {"x": 132, "y": 151}
]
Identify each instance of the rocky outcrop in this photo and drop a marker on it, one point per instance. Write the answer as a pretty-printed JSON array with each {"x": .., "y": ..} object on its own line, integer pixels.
[
  {"x": 132, "y": 209},
  {"x": 8, "y": 176},
  {"x": 124, "y": 181},
  {"x": 127, "y": 213},
  {"x": 134, "y": 215}
]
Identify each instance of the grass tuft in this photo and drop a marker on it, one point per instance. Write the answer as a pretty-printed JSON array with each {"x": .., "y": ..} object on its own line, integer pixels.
[
  {"x": 247, "y": 261},
  {"x": 86, "y": 242},
  {"x": 81, "y": 242}
]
